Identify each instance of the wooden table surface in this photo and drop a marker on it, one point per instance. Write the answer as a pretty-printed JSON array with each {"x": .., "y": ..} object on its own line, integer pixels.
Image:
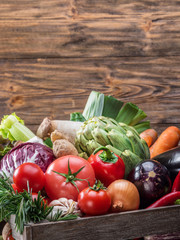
[{"x": 53, "y": 53}]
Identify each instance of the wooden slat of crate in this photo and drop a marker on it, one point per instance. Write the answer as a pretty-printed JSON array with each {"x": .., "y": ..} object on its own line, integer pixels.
[{"x": 118, "y": 226}]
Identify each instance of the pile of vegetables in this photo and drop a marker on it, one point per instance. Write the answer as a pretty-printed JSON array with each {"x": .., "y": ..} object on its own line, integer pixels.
[{"x": 106, "y": 160}]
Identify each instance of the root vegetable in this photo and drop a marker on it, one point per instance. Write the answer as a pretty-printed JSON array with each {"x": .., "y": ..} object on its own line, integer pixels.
[
  {"x": 168, "y": 139},
  {"x": 124, "y": 196},
  {"x": 59, "y": 135},
  {"x": 45, "y": 128},
  {"x": 62, "y": 147},
  {"x": 67, "y": 128},
  {"x": 150, "y": 136}
]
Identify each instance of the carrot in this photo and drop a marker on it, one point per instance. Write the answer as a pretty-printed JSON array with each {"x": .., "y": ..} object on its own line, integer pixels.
[
  {"x": 168, "y": 139},
  {"x": 150, "y": 136}
]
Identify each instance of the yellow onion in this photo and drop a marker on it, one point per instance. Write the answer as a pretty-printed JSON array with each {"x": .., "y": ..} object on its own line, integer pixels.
[{"x": 124, "y": 196}]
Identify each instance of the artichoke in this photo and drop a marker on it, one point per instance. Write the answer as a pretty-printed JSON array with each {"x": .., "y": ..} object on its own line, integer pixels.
[{"x": 120, "y": 138}]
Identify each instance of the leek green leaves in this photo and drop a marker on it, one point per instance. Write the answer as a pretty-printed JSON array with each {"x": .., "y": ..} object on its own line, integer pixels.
[{"x": 100, "y": 105}]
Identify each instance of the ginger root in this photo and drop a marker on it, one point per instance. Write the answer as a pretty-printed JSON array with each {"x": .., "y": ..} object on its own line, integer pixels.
[
  {"x": 62, "y": 147},
  {"x": 44, "y": 129}
]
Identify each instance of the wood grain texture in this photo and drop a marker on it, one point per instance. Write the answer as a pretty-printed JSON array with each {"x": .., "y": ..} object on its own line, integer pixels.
[
  {"x": 54, "y": 88},
  {"x": 54, "y": 53},
  {"x": 118, "y": 226},
  {"x": 89, "y": 29}
]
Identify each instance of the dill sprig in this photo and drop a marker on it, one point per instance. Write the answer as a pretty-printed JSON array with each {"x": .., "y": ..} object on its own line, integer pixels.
[{"x": 24, "y": 207}]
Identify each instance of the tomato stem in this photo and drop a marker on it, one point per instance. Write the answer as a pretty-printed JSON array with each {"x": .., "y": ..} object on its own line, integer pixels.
[
  {"x": 98, "y": 186},
  {"x": 71, "y": 177}
]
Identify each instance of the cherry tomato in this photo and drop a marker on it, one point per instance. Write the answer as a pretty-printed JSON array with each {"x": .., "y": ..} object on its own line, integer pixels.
[
  {"x": 108, "y": 166},
  {"x": 67, "y": 176},
  {"x": 16, "y": 188},
  {"x": 29, "y": 172},
  {"x": 94, "y": 202}
]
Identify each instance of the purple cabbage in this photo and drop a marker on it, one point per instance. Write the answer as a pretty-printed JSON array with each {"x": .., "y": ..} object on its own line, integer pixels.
[{"x": 26, "y": 152}]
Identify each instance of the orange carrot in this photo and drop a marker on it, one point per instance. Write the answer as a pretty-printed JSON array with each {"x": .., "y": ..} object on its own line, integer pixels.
[
  {"x": 150, "y": 136},
  {"x": 168, "y": 139}
]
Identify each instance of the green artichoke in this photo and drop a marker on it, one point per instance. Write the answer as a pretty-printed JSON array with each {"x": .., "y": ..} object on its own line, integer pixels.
[{"x": 120, "y": 138}]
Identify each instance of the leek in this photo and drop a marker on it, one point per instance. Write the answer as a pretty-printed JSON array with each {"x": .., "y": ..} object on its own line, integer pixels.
[
  {"x": 77, "y": 117},
  {"x": 94, "y": 105},
  {"x": 142, "y": 126},
  {"x": 100, "y": 105},
  {"x": 12, "y": 127},
  {"x": 127, "y": 113}
]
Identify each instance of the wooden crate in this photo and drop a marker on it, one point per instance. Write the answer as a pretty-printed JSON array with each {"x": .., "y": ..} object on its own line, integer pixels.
[{"x": 120, "y": 226}]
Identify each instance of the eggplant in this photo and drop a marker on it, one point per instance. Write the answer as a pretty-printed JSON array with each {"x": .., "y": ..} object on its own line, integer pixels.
[
  {"x": 171, "y": 160},
  {"x": 152, "y": 180}
]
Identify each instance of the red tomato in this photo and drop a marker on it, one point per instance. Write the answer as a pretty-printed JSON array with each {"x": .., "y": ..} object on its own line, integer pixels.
[
  {"x": 16, "y": 188},
  {"x": 29, "y": 172},
  {"x": 93, "y": 202},
  {"x": 108, "y": 166},
  {"x": 74, "y": 175}
]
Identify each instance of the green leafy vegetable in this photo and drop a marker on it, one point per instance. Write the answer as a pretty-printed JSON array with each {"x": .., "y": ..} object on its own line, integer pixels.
[
  {"x": 100, "y": 105},
  {"x": 12, "y": 127}
]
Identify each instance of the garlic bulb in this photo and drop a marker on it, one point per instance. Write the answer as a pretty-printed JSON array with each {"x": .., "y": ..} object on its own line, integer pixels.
[{"x": 66, "y": 206}]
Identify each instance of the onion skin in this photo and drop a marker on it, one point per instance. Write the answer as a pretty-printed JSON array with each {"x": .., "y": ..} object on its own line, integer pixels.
[{"x": 124, "y": 196}]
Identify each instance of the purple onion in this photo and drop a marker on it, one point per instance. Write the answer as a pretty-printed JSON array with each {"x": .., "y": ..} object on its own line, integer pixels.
[{"x": 26, "y": 152}]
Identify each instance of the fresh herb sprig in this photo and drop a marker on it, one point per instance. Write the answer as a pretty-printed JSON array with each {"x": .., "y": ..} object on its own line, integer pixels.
[
  {"x": 23, "y": 206},
  {"x": 59, "y": 216}
]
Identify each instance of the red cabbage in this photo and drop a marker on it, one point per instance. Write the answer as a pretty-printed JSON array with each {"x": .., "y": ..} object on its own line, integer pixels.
[{"x": 26, "y": 152}]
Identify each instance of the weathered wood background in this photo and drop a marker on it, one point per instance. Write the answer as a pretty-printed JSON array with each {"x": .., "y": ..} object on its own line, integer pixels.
[{"x": 53, "y": 53}]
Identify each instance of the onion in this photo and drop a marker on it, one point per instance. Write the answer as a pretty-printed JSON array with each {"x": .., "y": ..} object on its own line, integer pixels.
[{"x": 124, "y": 196}]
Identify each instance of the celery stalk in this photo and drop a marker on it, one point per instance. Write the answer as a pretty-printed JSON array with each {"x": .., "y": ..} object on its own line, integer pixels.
[{"x": 12, "y": 127}]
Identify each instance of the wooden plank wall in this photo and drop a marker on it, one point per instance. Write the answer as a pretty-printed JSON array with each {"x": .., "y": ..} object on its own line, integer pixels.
[{"x": 53, "y": 53}]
